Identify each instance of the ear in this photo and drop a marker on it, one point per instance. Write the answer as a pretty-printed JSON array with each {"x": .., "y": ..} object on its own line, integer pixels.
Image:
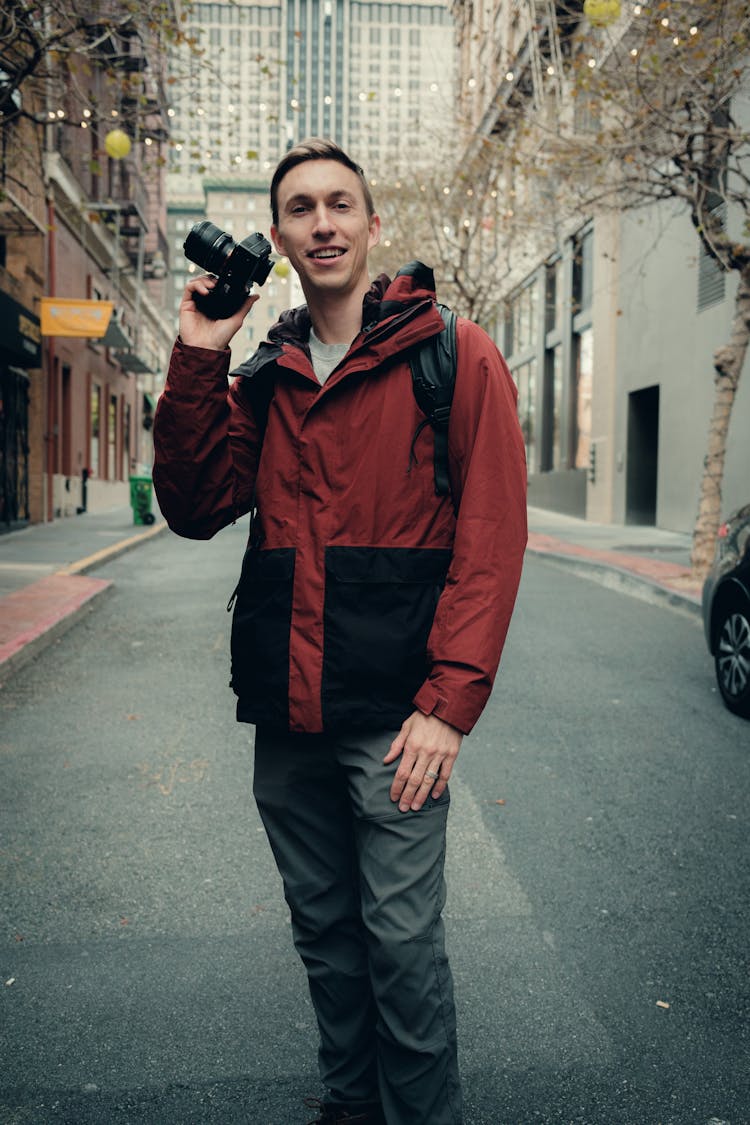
[
  {"x": 374, "y": 231},
  {"x": 277, "y": 240}
]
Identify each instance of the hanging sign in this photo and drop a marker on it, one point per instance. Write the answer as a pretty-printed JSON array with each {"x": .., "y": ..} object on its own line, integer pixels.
[{"x": 64, "y": 316}]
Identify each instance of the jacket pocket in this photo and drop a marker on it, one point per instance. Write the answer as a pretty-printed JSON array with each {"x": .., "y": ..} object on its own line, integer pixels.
[
  {"x": 379, "y": 607},
  {"x": 261, "y": 625}
]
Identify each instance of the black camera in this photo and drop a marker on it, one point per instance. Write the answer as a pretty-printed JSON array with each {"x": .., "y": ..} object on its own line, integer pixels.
[{"x": 236, "y": 266}]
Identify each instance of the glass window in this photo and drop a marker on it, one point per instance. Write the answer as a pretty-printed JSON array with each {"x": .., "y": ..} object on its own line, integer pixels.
[
  {"x": 552, "y": 410},
  {"x": 111, "y": 437},
  {"x": 95, "y": 399},
  {"x": 554, "y": 295},
  {"x": 525, "y": 377},
  {"x": 583, "y": 270},
  {"x": 522, "y": 323},
  {"x": 126, "y": 440}
]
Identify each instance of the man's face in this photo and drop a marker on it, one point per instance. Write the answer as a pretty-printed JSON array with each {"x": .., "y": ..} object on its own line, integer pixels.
[{"x": 324, "y": 228}]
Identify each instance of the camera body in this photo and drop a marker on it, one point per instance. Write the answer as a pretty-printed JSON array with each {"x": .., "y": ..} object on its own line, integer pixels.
[{"x": 236, "y": 265}]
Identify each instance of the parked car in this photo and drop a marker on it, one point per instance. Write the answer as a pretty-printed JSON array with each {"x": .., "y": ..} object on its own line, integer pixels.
[{"x": 726, "y": 611}]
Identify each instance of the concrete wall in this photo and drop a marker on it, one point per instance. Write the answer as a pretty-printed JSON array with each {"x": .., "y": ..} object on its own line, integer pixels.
[{"x": 663, "y": 339}]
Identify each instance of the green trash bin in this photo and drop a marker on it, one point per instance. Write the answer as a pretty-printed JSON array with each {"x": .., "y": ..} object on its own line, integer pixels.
[{"x": 141, "y": 491}]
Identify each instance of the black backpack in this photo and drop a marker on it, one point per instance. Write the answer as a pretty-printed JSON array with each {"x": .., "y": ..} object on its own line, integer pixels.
[{"x": 433, "y": 376}]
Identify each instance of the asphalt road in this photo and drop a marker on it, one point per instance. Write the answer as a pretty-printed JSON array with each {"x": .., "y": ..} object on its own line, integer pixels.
[{"x": 599, "y": 886}]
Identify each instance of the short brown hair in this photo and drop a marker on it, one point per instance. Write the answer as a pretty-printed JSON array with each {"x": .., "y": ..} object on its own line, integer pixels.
[{"x": 315, "y": 148}]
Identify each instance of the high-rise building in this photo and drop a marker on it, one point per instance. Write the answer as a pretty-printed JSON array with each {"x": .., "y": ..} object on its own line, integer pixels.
[{"x": 376, "y": 77}]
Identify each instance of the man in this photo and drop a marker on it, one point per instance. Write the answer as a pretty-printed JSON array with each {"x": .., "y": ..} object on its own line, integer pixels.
[{"x": 369, "y": 619}]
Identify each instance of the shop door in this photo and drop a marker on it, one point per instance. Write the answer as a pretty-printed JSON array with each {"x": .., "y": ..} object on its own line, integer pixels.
[
  {"x": 643, "y": 456},
  {"x": 14, "y": 447}
]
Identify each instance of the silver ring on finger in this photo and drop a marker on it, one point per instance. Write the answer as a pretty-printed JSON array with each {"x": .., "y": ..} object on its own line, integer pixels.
[{"x": 431, "y": 775}]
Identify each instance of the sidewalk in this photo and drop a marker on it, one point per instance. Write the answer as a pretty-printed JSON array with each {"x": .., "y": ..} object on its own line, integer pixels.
[
  {"x": 44, "y": 583},
  {"x": 45, "y": 586},
  {"x": 645, "y": 561}
]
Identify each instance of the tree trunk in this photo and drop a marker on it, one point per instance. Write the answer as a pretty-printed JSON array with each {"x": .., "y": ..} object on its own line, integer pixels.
[{"x": 728, "y": 363}]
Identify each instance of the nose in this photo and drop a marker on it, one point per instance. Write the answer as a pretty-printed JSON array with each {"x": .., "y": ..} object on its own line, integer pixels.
[{"x": 323, "y": 225}]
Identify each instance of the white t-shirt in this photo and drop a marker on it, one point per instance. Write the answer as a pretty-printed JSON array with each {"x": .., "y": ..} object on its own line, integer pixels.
[{"x": 325, "y": 356}]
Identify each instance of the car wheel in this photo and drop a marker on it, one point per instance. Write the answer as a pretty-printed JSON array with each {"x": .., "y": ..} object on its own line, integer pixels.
[{"x": 732, "y": 659}]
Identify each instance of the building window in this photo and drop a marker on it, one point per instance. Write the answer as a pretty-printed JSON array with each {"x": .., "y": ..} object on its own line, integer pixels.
[
  {"x": 126, "y": 440},
  {"x": 522, "y": 324},
  {"x": 112, "y": 438},
  {"x": 551, "y": 450},
  {"x": 525, "y": 377},
  {"x": 583, "y": 272},
  {"x": 711, "y": 276},
  {"x": 553, "y": 297},
  {"x": 95, "y": 401}
]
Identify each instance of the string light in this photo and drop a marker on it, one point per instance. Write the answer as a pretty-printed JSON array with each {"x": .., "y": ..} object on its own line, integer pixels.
[
  {"x": 693, "y": 30},
  {"x": 509, "y": 76},
  {"x": 592, "y": 63}
]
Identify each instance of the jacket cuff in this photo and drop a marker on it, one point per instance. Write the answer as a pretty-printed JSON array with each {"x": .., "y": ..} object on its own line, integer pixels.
[{"x": 429, "y": 701}]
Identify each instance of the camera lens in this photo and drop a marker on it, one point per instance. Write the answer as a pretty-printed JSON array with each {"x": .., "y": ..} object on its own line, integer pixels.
[{"x": 208, "y": 246}]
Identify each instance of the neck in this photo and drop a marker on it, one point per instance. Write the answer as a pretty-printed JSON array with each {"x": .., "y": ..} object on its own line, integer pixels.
[{"x": 337, "y": 319}]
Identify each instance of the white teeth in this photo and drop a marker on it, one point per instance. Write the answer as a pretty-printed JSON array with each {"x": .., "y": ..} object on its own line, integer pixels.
[{"x": 327, "y": 253}]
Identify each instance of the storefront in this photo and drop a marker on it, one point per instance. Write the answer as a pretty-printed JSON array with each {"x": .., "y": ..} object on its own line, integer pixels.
[{"x": 20, "y": 352}]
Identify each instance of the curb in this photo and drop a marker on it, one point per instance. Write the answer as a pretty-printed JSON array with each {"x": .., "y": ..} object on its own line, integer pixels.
[
  {"x": 621, "y": 578},
  {"x": 47, "y": 608},
  {"x": 83, "y": 566}
]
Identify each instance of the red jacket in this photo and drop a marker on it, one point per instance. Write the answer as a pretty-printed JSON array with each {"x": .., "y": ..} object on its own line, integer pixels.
[{"x": 362, "y": 595}]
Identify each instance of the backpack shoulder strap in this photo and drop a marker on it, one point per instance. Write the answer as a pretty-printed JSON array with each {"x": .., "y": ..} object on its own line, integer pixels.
[{"x": 433, "y": 373}]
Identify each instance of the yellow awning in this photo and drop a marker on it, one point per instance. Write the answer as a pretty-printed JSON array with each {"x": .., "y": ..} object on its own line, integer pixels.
[{"x": 65, "y": 316}]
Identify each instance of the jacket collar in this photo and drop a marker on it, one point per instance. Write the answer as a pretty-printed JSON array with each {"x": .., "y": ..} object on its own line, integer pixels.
[{"x": 388, "y": 307}]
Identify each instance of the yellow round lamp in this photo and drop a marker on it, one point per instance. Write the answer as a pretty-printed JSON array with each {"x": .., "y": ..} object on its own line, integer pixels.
[
  {"x": 601, "y": 13},
  {"x": 117, "y": 144},
  {"x": 281, "y": 268}
]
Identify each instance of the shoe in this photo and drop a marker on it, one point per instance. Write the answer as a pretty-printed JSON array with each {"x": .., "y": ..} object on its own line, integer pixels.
[{"x": 331, "y": 1114}]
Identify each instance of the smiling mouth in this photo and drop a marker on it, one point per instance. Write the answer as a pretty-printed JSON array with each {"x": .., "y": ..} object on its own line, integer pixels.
[{"x": 322, "y": 255}]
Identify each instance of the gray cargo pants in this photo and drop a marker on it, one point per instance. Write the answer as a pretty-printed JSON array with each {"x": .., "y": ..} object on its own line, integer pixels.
[{"x": 365, "y": 886}]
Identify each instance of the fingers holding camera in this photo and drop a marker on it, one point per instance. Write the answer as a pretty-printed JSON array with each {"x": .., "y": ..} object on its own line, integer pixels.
[{"x": 200, "y": 331}]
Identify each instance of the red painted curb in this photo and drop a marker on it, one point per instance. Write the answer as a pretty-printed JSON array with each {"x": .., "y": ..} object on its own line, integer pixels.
[{"x": 40, "y": 608}]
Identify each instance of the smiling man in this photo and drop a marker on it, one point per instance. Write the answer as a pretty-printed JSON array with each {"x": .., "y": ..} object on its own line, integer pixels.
[{"x": 369, "y": 618}]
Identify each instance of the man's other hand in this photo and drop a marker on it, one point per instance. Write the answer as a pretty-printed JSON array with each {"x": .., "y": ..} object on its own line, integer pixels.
[{"x": 428, "y": 747}]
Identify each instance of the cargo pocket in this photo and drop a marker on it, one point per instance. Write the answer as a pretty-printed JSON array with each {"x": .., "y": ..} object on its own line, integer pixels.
[
  {"x": 379, "y": 606},
  {"x": 261, "y": 625}
]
